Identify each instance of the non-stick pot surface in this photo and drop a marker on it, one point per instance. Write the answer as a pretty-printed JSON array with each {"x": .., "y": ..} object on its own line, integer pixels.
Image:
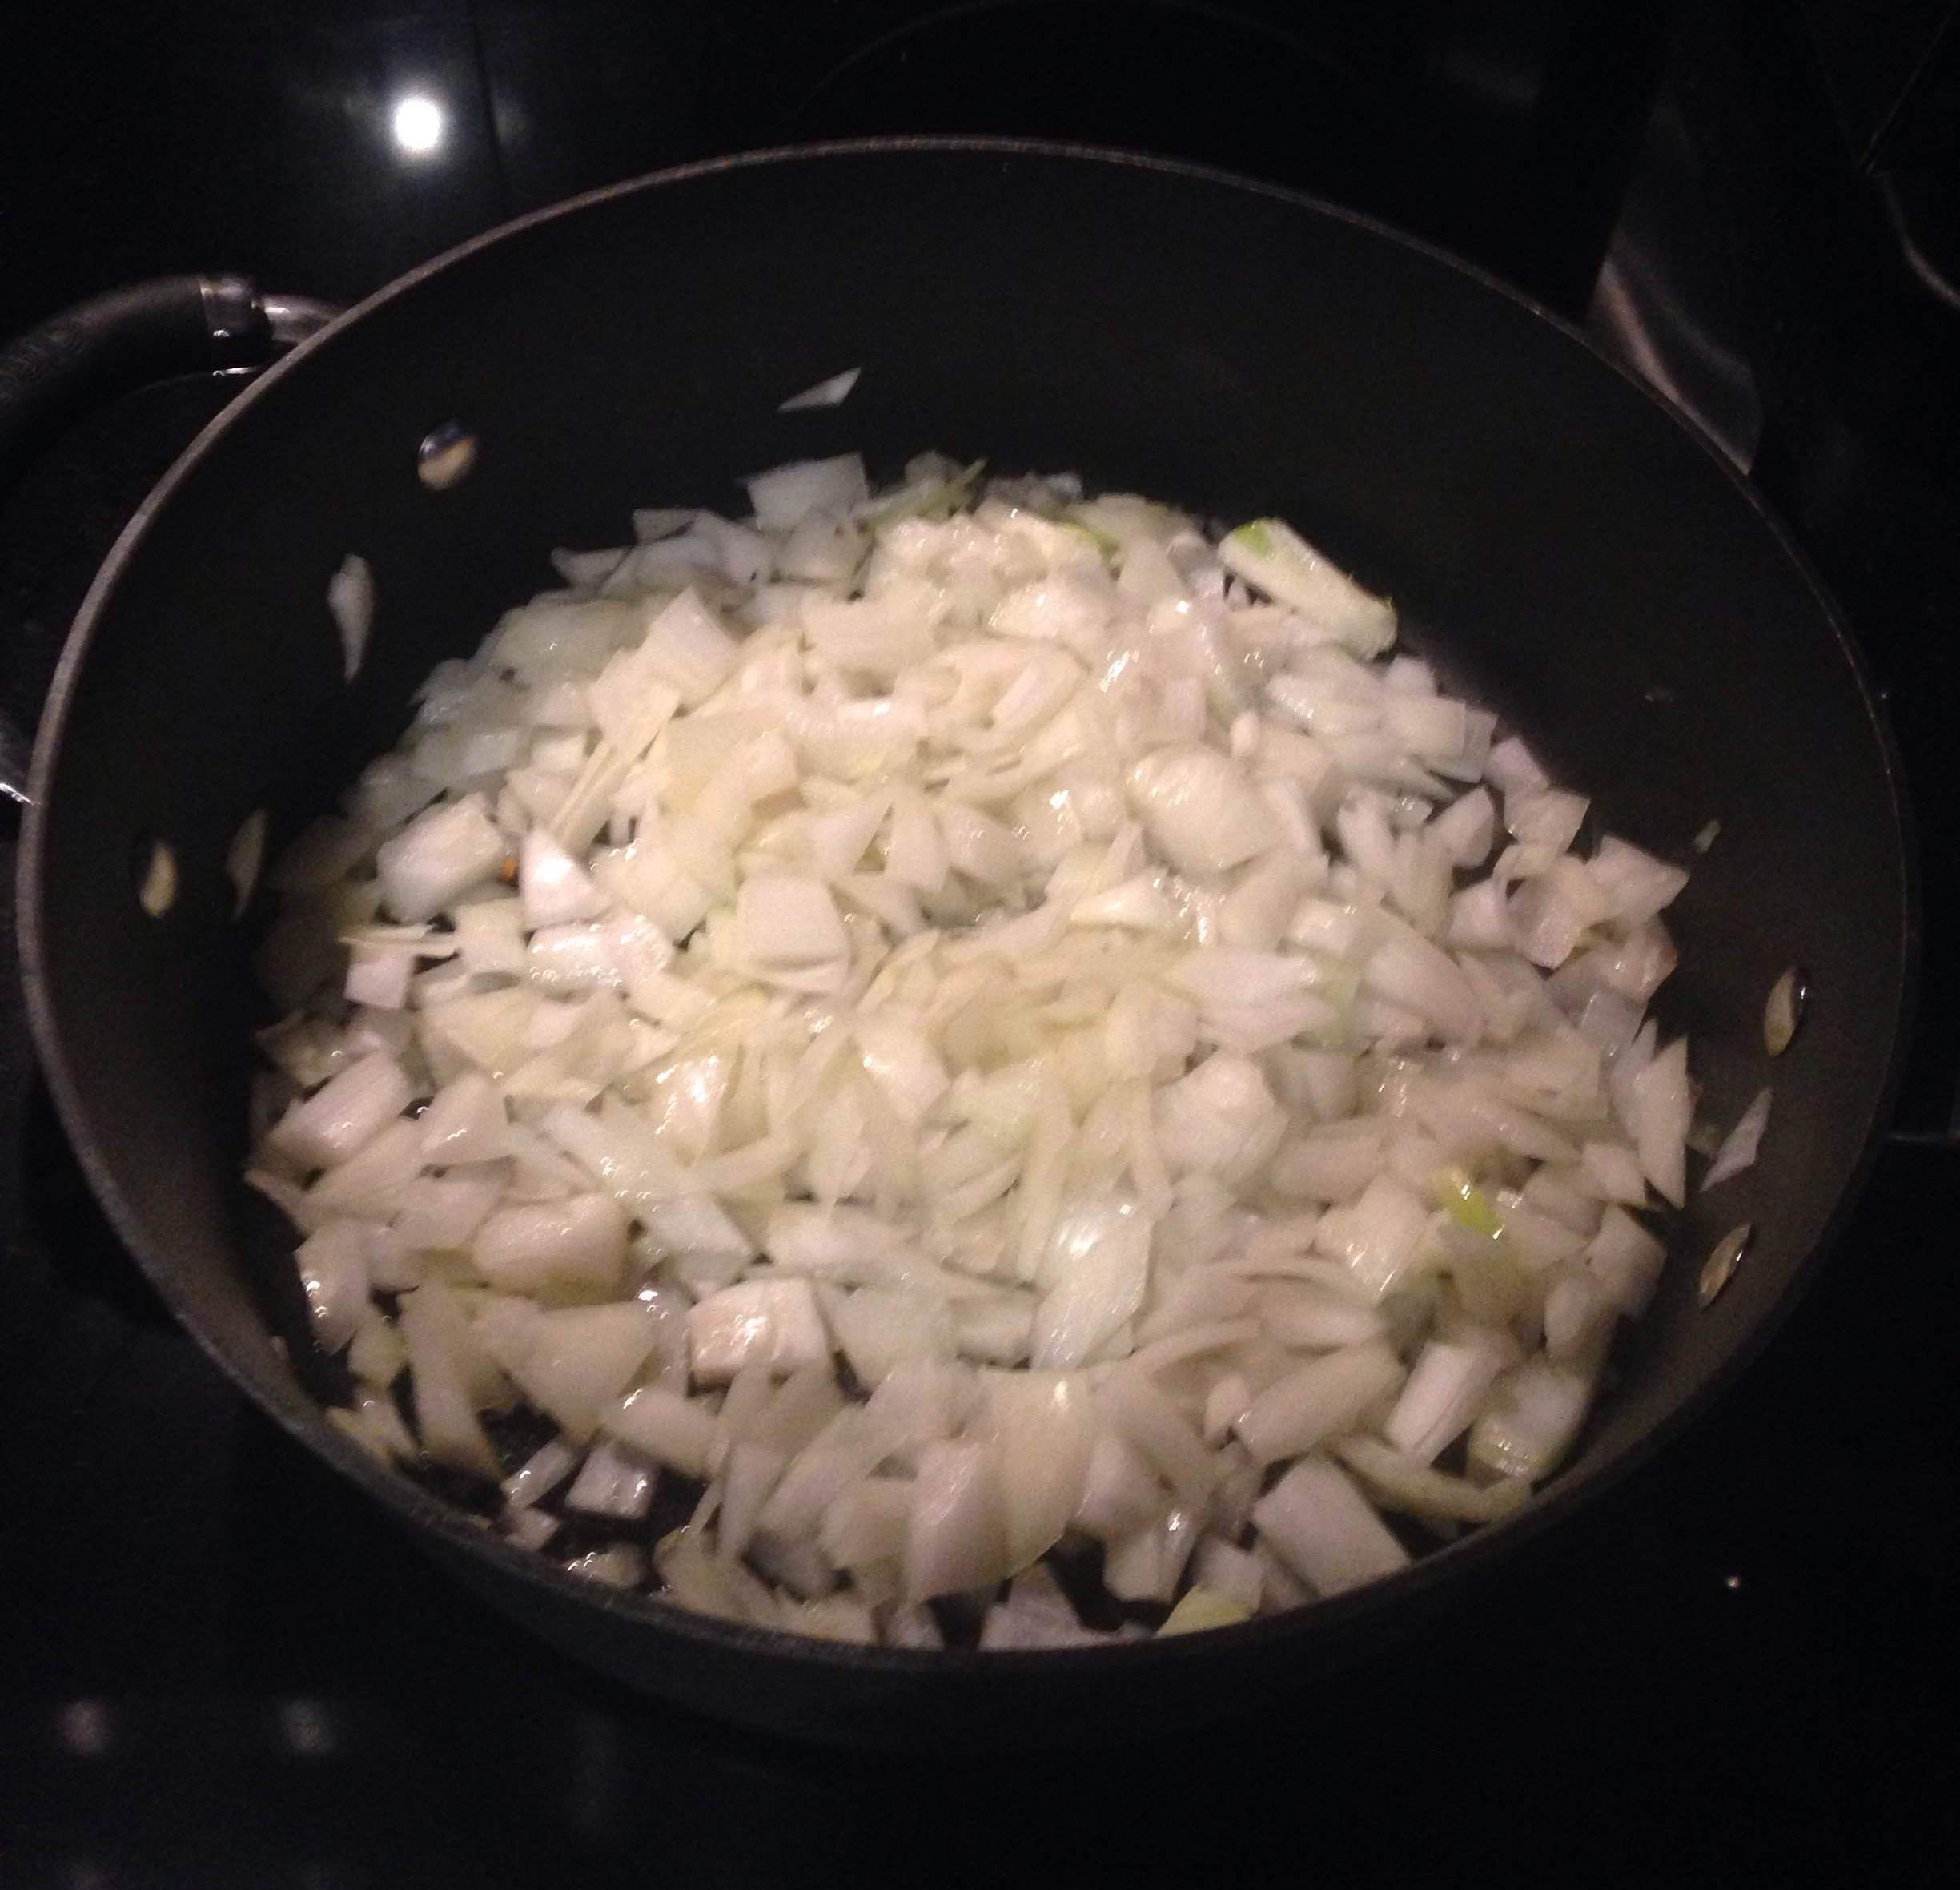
[{"x": 1556, "y": 540}]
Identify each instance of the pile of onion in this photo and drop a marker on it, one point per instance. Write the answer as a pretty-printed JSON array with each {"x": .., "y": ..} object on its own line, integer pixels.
[{"x": 932, "y": 1060}]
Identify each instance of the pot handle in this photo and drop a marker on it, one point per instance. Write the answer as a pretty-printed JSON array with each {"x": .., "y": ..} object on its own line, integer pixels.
[{"x": 113, "y": 344}]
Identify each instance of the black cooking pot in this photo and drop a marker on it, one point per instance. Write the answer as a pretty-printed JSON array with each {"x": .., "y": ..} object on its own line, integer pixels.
[{"x": 1561, "y": 544}]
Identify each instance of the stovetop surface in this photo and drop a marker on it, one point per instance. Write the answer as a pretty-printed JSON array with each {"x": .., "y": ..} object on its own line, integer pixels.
[{"x": 218, "y": 1666}]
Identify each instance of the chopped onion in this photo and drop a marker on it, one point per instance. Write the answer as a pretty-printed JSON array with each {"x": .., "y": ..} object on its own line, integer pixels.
[
  {"x": 1273, "y": 558},
  {"x": 1233, "y": 1575},
  {"x": 1323, "y": 1528},
  {"x": 442, "y": 1211},
  {"x": 1152, "y": 1424},
  {"x": 1445, "y": 1391},
  {"x": 1637, "y": 886},
  {"x": 774, "y": 1319},
  {"x": 1614, "y": 1169},
  {"x": 956, "y": 1537},
  {"x": 612, "y": 1483},
  {"x": 1738, "y": 1151},
  {"x": 1626, "y": 1260},
  {"x": 1664, "y": 1106},
  {"x": 670, "y": 1430},
  {"x": 555, "y": 888},
  {"x": 1400, "y": 1482},
  {"x": 1299, "y": 1412},
  {"x": 959, "y": 1017},
  {"x": 540, "y": 1474},
  {"x": 351, "y": 597},
  {"x": 1041, "y": 1428},
  {"x": 432, "y": 1326},
  {"x": 1119, "y": 1494},
  {"x": 1200, "y": 811},
  {"x": 783, "y": 498},
  {"x": 573, "y": 1363},
  {"x": 832, "y": 392},
  {"x": 579, "y": 1242},
  {"x": 333, "y": 1268},
  {"x": 1532, "y": 1421},
  {"x": 341, "y": 1117},
  {"x": 439, "y": 855},
  {"x": 1378, "y": 1237}
]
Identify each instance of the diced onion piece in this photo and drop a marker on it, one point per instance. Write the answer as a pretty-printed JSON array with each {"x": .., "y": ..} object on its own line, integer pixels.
[
  {"x": 1199, "y": 811},
  {"x": 1533, "y": 1418},
  {"x": 380, "y": 975},
  {"x": 775, "y": 1321},
  {"x": 464, "y": 1122},
  {"x": 751, "y": 1472},
  {"x": 1664, "y": 1107},
  {"x": 341, "y": 1116},
  {"x": 1614, "y": 1169},
  {"x": 1323, "y": 1528},
  {"x": 1270, "y": 554},
  {"x": 1378, "y": 1236},
  {"x": 1041, "y": 1428},
  {"x": 956, "y": 1538},
  {"x": 1153, "y": 1424},
  {"x": 541, "y": 1474},
  {"x": 1578, "y": 1318},
  {"x": 574, "y": 1362},
  {"x": 333, "y": 1268},
  {"x": 1444, "y": 1392},
  {"x": 442, "y": 1211},
  {"x": 351, "y": 597},
  {"x": 1400, "y": 1482},
  {"x": 1626, "y": 1260},
  {"x": 879, "y": 1328},
  {"x": 1738, "y": 1149},
  {"x": 1637, "y": 886},
  {"x": 668, "y": 1428},
  {"x": 580, "y": 1243},
  {"x": 1120, "y": 1493},
  {"x": 1233, "y": 1574},
  {"x": 686, "y": 649},
  {"x": 784, "y": 496},
  {"x": 1513, "y": 768},
  {"x": 432, "y": 1326},
  {"x": 1466, "y": 828},
  {"x": 437, "y": 856},
  {"x": 1219, "y": 1118},
  {"x": 554, "y": 887},
  {"x": 612, "y": 1484},
  {"x": 785, "y": 923},
  {"x": 1299, "y": 1412},
  {"x": 1095, "y": 1269},
  {"x": 832, "y": 392},
  {"x": 1408, "y": 970}
]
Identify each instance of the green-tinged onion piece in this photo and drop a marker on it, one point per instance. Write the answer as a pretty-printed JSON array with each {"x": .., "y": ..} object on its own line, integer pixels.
[
  {"x": 1464, "y": 1202},
  {"x": 1272, "y": 556},
  {"x": 935, "y": 498},
  {"x": 1072, "y": 520},
  {"x": 1201, "y": 1608}
]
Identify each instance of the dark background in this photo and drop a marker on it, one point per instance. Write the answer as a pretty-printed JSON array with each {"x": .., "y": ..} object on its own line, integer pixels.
[{"x": 216, "y": 1667}]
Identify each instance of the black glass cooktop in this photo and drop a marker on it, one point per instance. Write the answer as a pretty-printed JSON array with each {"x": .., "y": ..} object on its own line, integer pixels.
[{"x": 218, "y": 1666}]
